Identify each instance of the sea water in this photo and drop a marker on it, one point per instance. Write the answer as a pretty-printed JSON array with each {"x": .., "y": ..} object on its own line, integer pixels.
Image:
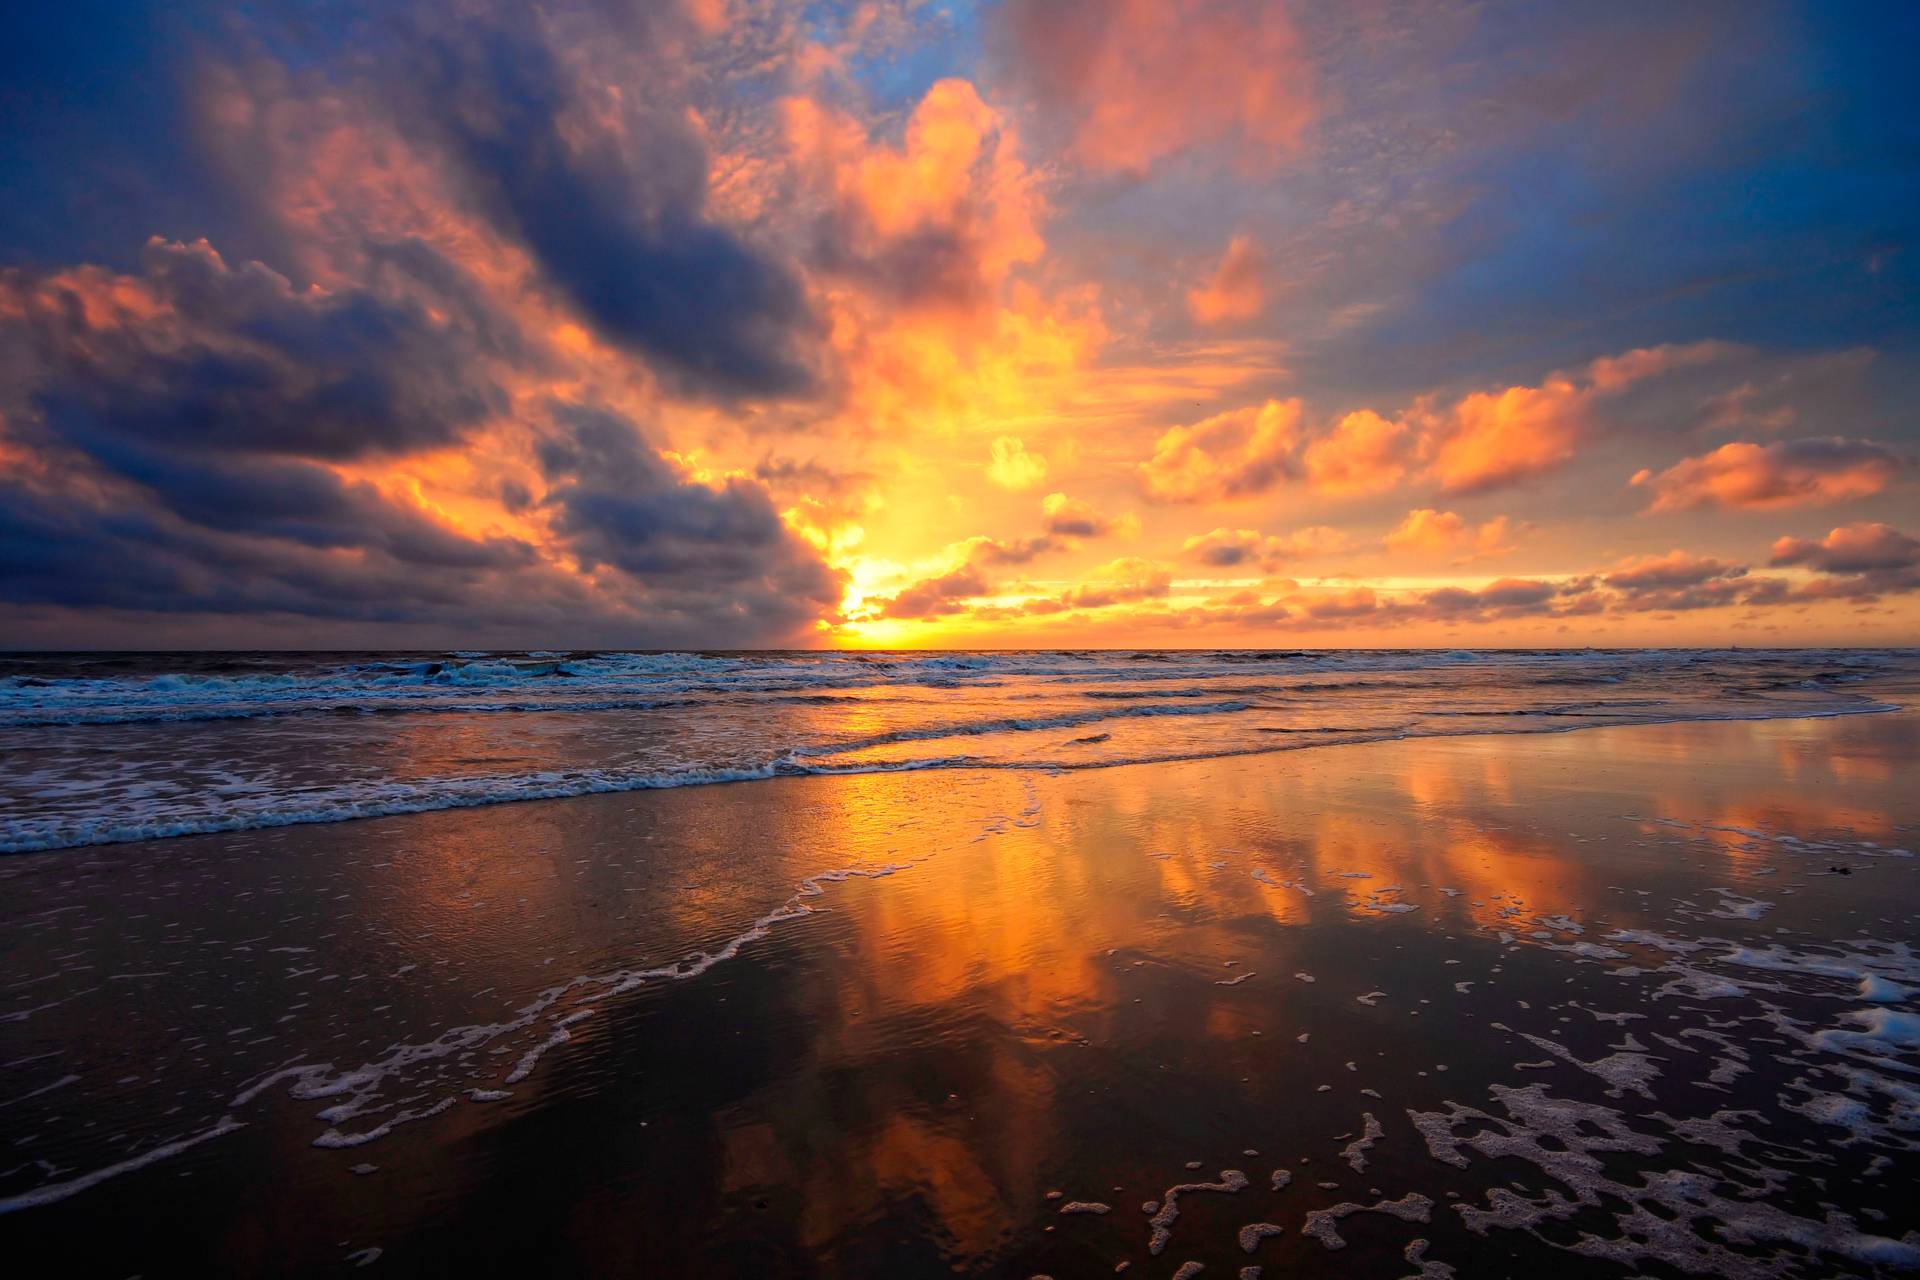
[{"x": 106, "y": 748}]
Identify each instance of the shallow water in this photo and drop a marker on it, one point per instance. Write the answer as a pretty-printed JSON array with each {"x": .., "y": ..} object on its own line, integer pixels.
[
  {"x": 103, "y": 748},
  {"x": 1593, "y": 1001}
]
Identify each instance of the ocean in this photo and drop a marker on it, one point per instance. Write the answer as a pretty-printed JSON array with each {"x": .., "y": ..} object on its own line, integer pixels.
[{"x": 107, "y": 748}]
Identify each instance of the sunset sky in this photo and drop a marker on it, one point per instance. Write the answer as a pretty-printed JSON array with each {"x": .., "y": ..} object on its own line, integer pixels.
[{"x": 1048, "y": 323}]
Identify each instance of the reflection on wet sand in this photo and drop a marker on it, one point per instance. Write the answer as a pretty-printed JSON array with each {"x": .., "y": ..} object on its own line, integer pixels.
[
  {"x": 1102, "y": 984},
  {"x": 1052, "y": 941}
]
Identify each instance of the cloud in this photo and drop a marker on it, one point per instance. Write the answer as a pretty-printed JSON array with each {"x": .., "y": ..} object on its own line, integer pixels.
[
  {"x": 993, "y": 551},
  {"x": 1430, "y": 532},
  {"x": 938, "y": 596},
  {"x": 1066, "y": 519},
  {"x": 1788, "y": 473},
  {"x": 1013, "y": 467},
  {"x": 720, "y": 547},
  {"x": 1130, "y": 578},
  {"x": 1360, "y": 602},
  {"x": 1502, "y": 598},
  {"x": 1862, "y": 559},
  {"x": 193, "y": 356},
  {"x": 1135, "y": 81},
  {"x": 1494, "y": 440},
  {"x": 937, "y": 221},
  {"x": 1609, "y": 374},
  {"x": 788, "y": 475},
  {"x": 1233, "y": 455},
  {"x": 1237, "y": 291},
  {"x": 1484, "y": 441},
  {"x": 203, "y": 438},
  {"x": 1363, "y": 454},
  {"x": 1675, "y": 569},
  {"x": 1071, "y": 518},
  {"x": 1680, "y": 581},
  {"x": 607, "y": 189},
  {"x": 1856, "y": 548},
  {"x": 1227, "y": 548}
]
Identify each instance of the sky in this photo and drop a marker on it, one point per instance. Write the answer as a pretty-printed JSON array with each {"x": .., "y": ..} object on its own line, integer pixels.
[{"x": 1040, "y": 323}]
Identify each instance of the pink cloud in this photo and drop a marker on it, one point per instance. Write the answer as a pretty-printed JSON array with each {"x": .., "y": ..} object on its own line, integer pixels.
[
  {"x": 1675, "y": 569},
  {"x": 1785, "y": 474},
  {"x": 1140, "y": 80},
  {"x": 1237, "y": 290},
  {"x": 1856, "y": 548}
]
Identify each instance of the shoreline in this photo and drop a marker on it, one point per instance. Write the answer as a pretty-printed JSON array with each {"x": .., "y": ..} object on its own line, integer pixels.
[{"x": 788, "y": 767}]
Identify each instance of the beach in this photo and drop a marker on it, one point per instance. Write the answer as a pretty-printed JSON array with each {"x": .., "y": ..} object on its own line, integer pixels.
[
  {"x": 1623, "y": 999},
  {"x": 1023, "y": 639}
]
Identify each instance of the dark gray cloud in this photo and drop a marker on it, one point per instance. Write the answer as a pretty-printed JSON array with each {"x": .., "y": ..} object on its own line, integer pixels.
[
  {"x": 614, "y": 215},
  {"x": 182, "y": 424},
  {"x": 185, "y": 415},
  {"x": 718, "y": 552},
  {"x": 113, "y": 136},
  {"x": 234, "y": 360},
  {"x": 216, "y": 394}
]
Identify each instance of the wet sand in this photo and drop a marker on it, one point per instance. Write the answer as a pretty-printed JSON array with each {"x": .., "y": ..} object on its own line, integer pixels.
[{"x": 1592, "y": 1001}]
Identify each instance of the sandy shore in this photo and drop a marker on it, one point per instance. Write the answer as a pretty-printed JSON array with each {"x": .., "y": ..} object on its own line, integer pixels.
[{"x": 868, "y": 1025}]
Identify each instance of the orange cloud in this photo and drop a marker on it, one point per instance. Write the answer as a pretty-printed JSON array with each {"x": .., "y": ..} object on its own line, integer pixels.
[
  {"x": 1789, "y": 473},
  {"x": 1126, "y": 579},
  {"x": 1365, "y": 453},
  {"x": 1237, "y": 290},
  {"x": 1616, "y": 373},
  {"x": 710, "y": 17},
  {"x": 945, "y": 214},
  {"x": 1494, "y": 440},
  {"x": 1140, "y": 80},
  {"x": 1237, "y": 454},
  {"x": 910, "y": 250},
  {"x": 1357, "y": 603},
  {"x": 1430, "y": 532},
  {"x": 1486, "y": 440},
  {"x": 1226, "y": 548}
]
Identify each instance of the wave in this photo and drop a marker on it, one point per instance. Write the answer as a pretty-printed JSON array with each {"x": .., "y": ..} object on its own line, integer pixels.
[
  {"x": 48, "y": 691},
  {"x": 386, "y": 799},
  {"x": 1025, "y": 724}
]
